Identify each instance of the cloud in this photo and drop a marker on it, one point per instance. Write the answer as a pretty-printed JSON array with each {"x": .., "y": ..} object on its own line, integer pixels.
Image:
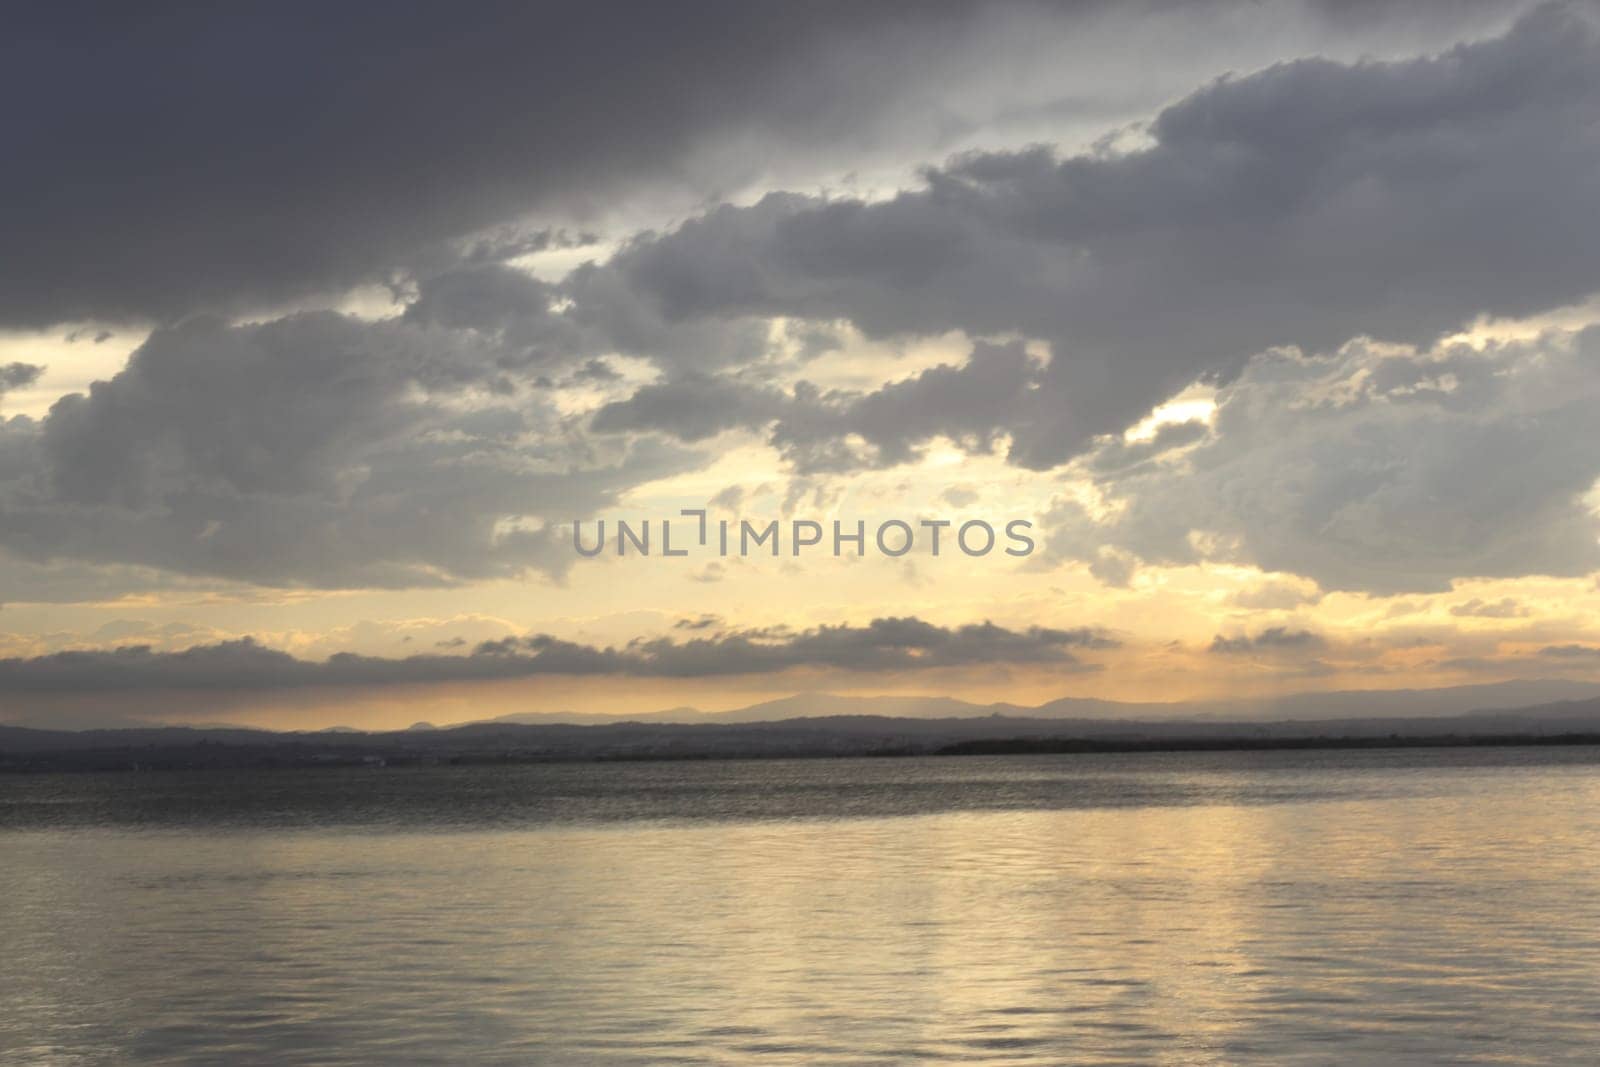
[
  {"x": 310, "y": 450},
  {"x": 711, "y": 573},
  {"x": 186, "y": 180},
  {"x": 182, "y": 178},
  {"x": 818, "y": 432},
  {"x": 1570, "y": 652},
  {"x": 1476, "y": 608},
  {"x": 960, "y": 496},
  {"x": 691, "y": 408},
  {"x": 1374, "y": 469},
  {"x": 1303, "y": 205},
  {"x": 970, "y": 405},
  {"x": 1117, "y": 456},
  {"x": 18, "y": 375},
  {"x": 1276, "y": 596},
  {"x": 885, "y": 644},
  {"x": 1274, "y": 639},
  {"x": 1114, "y": 567}
]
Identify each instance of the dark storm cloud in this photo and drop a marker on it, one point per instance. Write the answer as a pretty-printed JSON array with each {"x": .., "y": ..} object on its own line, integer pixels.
[
  {"x": 1304, "y": 204},
  {"x": 887, "y": 644},
  {"x": 171, "y": 158}
]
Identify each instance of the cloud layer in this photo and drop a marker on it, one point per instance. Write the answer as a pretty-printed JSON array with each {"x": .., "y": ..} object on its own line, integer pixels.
[{"x": 884, "y": 644}]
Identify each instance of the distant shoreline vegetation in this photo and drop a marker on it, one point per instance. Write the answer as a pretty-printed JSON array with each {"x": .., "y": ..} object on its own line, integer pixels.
[
  {"x": 890, "y": 537},
  {"x": 273, "y": 751}
]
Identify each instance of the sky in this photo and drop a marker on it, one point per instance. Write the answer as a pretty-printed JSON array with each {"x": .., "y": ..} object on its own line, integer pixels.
[{"x": 1278, "y": 325}]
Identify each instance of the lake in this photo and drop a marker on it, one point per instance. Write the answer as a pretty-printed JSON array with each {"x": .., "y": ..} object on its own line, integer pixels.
[{"x": 1402, "y": 906}]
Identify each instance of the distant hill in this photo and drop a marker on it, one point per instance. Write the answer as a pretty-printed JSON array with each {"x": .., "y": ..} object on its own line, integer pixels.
[
  {"x": 818, "y": 724},
  {"x": 1452, "y": 700},
  {"x": 1449, "y": 700},
  {"x": 803, "y": 735},
  {"x": 820, "y": 705}
]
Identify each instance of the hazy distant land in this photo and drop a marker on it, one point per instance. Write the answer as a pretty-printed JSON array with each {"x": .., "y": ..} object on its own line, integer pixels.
[{"x": 823, "y": 725}]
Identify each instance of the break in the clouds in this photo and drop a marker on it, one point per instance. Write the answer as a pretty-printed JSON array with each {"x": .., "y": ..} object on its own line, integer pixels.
[{"x": 885, "y": 644}]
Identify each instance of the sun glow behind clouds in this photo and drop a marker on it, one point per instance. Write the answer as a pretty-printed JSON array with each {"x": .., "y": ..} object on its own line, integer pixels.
[{"x": 1195, "y": 404}]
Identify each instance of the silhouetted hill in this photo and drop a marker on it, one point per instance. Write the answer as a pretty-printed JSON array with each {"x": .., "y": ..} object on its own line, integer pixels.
[
  {"x": 1451, "y": 700},
  {"x": 23, "y": 749}
]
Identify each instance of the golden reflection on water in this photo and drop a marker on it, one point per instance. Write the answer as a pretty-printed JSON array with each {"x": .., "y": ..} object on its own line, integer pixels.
[{"x": 1452, "y": 919}]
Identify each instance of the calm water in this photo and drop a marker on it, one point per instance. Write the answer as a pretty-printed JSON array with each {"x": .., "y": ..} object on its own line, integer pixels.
[{"x": 1283, "y": 908}]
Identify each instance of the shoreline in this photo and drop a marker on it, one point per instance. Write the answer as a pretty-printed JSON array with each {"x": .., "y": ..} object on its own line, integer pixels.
[{"x": 211, "y": 756}]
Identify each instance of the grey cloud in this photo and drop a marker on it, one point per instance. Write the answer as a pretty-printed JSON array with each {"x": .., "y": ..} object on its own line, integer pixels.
[
  {"x": 1477, "y": 608},
  {"x": 485, "y": 297},
  {"x": 712, "y": 572},
  {"x": 886, "y": 644},
  {"x": 1113, "y": 567},
  {"x": 1375, "y": 472},
  {"x": 1305, "y": 204},
  {"x": 187, "y": 174},
  {"x": 596, "y": 370},
  {"x": 313, "y": 449},
  {"x": 514, "y": 242},
  {"x": 18, "y": 375},
  {"x": 691, "y": 408},
  {"x": 1271, "y": 640},
  {"x": 1570, "y": 652},
  {"x": 818, "y": 431},
  {"x": 1118, "y": 456},
  {"x": 971, "y": 404},
  {"x": 614, "y": 317},
  {"x": 1276, "y": 596},
  {"x": 959, "y": 496}
]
